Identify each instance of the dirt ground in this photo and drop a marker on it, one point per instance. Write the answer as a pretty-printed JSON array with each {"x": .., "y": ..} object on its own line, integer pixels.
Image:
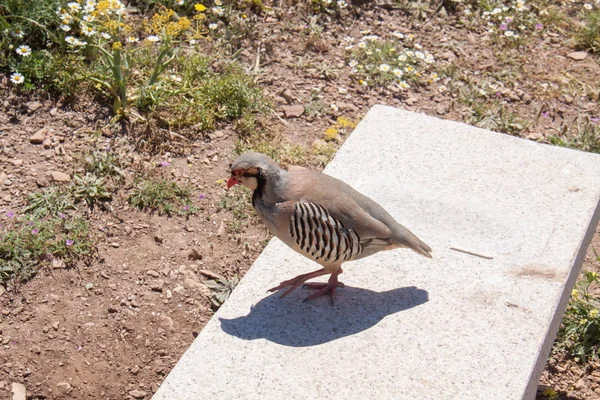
[{"x": 115, "y": 329}]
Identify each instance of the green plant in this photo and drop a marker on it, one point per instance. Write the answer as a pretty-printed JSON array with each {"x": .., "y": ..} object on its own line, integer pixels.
[
  {"x": 162, "y": 196},
  {"x": 586, "y": 136},
  {"x": 52, "y": 201},
  {"x": 587, "y": 36},
  {"x": 377, "y": 62},
  {"x": 222, "y": 288},
  {"x": 238, "y": 202},
  {"x": 104, "y": 164},
  {"x": 28, "y": 243},
  {"x": 579, "y": 333},
  {"x": 91, "y": 189}
]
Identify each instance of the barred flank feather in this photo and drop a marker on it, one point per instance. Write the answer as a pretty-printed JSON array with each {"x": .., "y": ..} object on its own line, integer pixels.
[{"x": 321, "y": 236}]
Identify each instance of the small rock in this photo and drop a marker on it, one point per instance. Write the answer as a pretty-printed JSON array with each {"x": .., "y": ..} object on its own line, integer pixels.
[
  {"x": 112, "y": 310},
  {"x": 60, "y": 176},
  {"x": 345, "y": 107},
  {"x": 535, "y": 136},
  {"x": 26, "y": 373},
  {"x": 169, "y": 294},
  {"x": 57, "y": 263},
  {"x": 18, "y": 391},
  {"x": 294, "y": 111},
  {"x": 65, "y": 387},
  {"x": 179, "y": 289},
  {"x": 115, "y": 245},
  {"x": 3, "y": 178},
  {"x": 47, "y": 143},
  {"x": 577, "y": 55},
  {"x": 157, "y": 286},
  {"x": 166, "y": 322},
  {"x": 33, "y": 106},
  {"x": 16, "y": 162},
  {"x": 137, "y": 394},
  {"x": 158, "y": 239},
  {"x": 38, "y": 137},
  {"x": 136, "y": 369},
  {"x": 152, "y": 273},
  {"x": 36, "y": 349},
  {"x": 568, "y": 99},
  {"x": 287, "y": 95},
  {"x": 221, "y": 229},
  {"x": 55, "y": 325},
  {"x": 580, "y": 384},
  {"x": 7, "y": 182},
  {"x": 89, "y": 286}
]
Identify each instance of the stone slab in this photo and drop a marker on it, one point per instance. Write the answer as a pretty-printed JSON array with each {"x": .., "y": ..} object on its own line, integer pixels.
[{"x": 406, "y": 327}]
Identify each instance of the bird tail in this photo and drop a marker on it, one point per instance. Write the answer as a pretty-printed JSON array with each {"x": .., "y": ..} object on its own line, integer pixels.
[{"x": 406, "y": 238}]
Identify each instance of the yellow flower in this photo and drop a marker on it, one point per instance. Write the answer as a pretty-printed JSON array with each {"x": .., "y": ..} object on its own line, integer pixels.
[
  {"x": 200, "y": 7},
  {"x": 575, "y": 293},
  {"x": 594, "y": 313},
  {"x": 117, "y": 45},
  {"x": 330, "y": 133}
]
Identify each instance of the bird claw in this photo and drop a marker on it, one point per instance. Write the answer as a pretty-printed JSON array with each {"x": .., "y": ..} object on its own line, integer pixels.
[{"x": 327, "y": 289}]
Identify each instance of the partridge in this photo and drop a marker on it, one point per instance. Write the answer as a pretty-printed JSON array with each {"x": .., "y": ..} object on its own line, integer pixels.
[{"x": 320, "y": 217}]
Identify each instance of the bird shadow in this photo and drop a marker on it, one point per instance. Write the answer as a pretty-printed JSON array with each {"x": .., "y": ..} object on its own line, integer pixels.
[{"x": 290, "y": 322}]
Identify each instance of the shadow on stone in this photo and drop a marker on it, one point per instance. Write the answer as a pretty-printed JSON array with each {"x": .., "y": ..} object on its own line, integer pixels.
[{"x": 290, "y": 322}]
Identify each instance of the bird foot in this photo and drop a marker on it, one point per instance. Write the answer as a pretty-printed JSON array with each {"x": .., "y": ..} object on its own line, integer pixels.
[
  {"x": 325, "y": 289},
  {"x": 292, "y": 284}
]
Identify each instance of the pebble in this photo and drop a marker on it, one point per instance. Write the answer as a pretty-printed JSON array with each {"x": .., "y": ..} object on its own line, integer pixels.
[
  {"x": 137, "y": 394},
  {"x": 577, "y": 55},
  {"x": 38, "y": 137},
  {"x": 294, "y": 111},
  {"x": 60, "y": 176},
  {"x": 152, "y": 273},
  {"x": 18, "y": 391}
]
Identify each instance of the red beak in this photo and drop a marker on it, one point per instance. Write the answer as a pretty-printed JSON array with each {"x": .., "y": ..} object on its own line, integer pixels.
[{"x": 232, "y": 182}]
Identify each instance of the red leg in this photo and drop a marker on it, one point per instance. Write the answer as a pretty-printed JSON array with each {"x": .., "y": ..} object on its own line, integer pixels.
[
  {"x": 326, "y": 288},
  {"x": 297, "y": 281}
]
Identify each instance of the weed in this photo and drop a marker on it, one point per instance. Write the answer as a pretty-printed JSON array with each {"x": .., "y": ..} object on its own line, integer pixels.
[
  {"x": 238, "y": 203},
  {"x": 579, "y": 333},
  {"x": 398, "y": 61},
  {"x": 91, "y": 189},
  {"x": 28, "y": 242},
  {"x": 587, "y": 36},
  {"x": 586, "y": 136},
  {"x": 162, "y": 196},
  {"x": 104, "y": 164},
  {"x": 222, "y": 289},
  {"x": 52, "y": 202}
]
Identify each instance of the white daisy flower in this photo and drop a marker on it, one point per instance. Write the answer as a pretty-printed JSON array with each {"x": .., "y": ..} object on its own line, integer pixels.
[
  {"x": 410, "y": 53},
  {"x": 418, "y": 46},
  {"x": 353, "y": 63},
  {"x": 88, "y": 30},
  {"x": 442, "y": 89},
  {"x": 334, "y": 107},
  {"x": 105, "y": 35},
  {"x": 18, "y": 33},
  {"x": 70, "y": 39},
  {"x": 213, "y": 26},
  {"x": 218, "y": 10},
  {"x": 180, "y": 2},
  {"x": 402, "y": 57},
  {"x": 23, "y": 50},
  {"x": 65, "y": 28},
  {"x": 587, "y": 6},
  {"x": 509, "y": 33},
  {"x": 398, "y": 72},
  {"x": 403, "y": 85},
  {"x": 218, "y": 2},
  {"x": 384, "y": 68},
  {"x": 74, "y": 6},
  {"x": 362, "y": 45},
  {"x": 342, "y": 4},
  {"x": 153, "y": 38},
  {"x": 17, "y": 78},
  {"x": 88, "y": 18},
  {"x": 419, "y": 55},
  {"x": 175, "y": 78},
  {"x": 398, "y": 35},
  {"x": 79, "y": 42}
]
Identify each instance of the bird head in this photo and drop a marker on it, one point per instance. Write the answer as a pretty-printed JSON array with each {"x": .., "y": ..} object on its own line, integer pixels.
[{"x": 250, "y": 169}]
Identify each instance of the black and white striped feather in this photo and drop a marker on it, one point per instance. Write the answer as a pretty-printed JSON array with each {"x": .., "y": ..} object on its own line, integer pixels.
[{"x": 322, "y": 237}]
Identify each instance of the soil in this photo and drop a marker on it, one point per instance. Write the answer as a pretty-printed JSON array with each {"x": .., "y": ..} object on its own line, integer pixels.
[{"x": 114, "y": 329}]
